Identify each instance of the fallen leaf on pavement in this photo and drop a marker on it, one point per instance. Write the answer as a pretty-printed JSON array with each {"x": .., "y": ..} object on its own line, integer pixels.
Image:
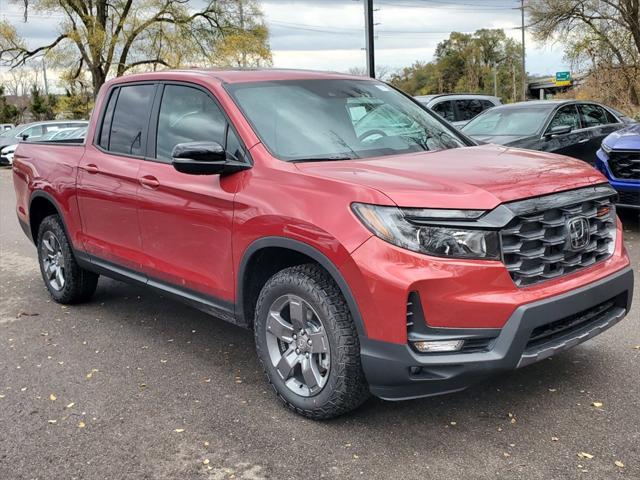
[
  {"x": 596, "y": 404},
  {"x": 206, "y": 461},
  {"x": 618, "y": 463},
  {"x": 69, "y": 405},
  {"x": 179, "y": 430},
  {"x": 81, "y": 424},
  {"x": 554, "y": 439},
  {"x": 52, "y": 397},
  {"x": 53, "y": 422},
  {"x": 586, "y": 455}
]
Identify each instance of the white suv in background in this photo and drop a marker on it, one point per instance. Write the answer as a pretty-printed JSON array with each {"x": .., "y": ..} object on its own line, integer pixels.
[{"x": 458, "y": 108}]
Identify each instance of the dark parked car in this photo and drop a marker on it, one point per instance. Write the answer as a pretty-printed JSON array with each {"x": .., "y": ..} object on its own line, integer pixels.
[
  {"x": 567, "y": 127},
  {"x": 619, "y": 160}
]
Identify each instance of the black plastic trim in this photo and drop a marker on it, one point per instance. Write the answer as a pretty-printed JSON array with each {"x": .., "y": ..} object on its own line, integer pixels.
[
  {"x": 313, "y": 253},
  {"x": 214, "y": 306},
  {"x": 396, "y": 372}
]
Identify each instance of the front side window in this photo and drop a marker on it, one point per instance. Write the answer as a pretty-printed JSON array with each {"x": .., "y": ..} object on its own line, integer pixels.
[
  {"x": 566, "y": 116},
  {"x": 338, "y": 119},
  {"x": 445, "y": 110},
  {"x": 187, "y": 115},
  {"x": 131, "y": 119},
  {"x": 593, "y": 115},
  {"x": 32, "y": 132}
]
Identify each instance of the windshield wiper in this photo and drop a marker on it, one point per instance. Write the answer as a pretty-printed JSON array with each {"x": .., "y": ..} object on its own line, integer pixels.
[{"x": 322, "y": 159}]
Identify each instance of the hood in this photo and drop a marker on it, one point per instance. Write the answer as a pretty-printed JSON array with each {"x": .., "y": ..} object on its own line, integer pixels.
[
  {"x": 498, "y": 139},
  {"x": 474, "y": 177},
  {"x": 625, "y": 139}
]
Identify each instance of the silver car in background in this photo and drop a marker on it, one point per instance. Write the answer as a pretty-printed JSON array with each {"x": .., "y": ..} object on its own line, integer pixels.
[{"x": 458, "y": 108}]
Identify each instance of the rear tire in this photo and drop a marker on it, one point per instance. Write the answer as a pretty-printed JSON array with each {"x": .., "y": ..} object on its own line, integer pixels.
[
  {"x": 66, "y": 281},
  {"x": 318, "y": 374}
]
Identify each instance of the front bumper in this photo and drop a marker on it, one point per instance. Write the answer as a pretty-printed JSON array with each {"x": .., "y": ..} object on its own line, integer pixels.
[
  {"x": 628, "y": 190},
  {"x": 395, "y": 372}
]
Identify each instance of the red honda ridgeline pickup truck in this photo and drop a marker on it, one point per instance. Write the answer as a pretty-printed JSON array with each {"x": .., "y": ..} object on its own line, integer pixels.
[{"x": 371, "y": 247}]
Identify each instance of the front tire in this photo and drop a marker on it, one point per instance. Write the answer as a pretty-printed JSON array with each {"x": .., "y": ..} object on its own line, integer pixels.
[
  {"x": 66, "y": 281},
  {"x": 308, "y": 344}
]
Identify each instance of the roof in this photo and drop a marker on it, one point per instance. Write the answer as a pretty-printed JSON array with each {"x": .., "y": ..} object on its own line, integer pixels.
[
  {"x": 461, "y": 95},
  {"x": 241, "y": 75},
  {"x": 543, "y": 104}
]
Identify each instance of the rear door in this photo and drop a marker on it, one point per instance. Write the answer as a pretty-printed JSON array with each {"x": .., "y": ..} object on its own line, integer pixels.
[
  {"x": 186, "y": 220},
  {"x": 108, "y": 177},
  {"x": 572, "y": 144},
  {"x": 599, "y": 123}
]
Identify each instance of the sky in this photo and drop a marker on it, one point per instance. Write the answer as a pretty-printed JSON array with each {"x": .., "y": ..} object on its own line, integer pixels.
[{"x": 329, "y": 34}]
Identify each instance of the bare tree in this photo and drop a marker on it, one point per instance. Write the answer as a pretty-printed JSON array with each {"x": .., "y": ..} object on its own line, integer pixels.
[
  {"x": 608, "y": 28},
  {"x": 112, "y": 37}
]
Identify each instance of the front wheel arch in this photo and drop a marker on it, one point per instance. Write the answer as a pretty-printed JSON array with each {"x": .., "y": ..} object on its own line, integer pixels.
[{"x": 296, "y": 247}]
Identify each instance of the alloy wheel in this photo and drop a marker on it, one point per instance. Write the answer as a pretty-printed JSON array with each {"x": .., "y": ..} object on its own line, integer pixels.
[
  {"x": 298, "y": 345},
  {"x": 53, "y": 261}
]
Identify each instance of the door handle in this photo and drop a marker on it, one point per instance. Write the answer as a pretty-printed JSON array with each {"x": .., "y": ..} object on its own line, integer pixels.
[
  {"x": 149, "y": 181},
  {"x": 91, "y": 168},
  {"x": 583, "y": 140}
]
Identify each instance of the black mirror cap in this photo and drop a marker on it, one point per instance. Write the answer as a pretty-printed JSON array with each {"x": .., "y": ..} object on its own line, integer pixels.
[
  {"x": 204, "y": 158},
  {"x": 559, "y": 130}
]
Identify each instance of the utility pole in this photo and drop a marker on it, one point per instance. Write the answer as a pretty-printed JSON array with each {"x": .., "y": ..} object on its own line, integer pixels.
[
  {"x": 368, "y": 22},
  {"x": 524, "y": 65}
]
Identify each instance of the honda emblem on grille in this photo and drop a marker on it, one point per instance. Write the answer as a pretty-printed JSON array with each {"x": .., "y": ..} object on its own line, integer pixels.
[{"x": 579, "y": 233}]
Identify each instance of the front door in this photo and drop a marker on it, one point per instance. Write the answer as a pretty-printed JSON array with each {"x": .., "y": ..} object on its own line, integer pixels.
[
  {"x": 572, "y": 144},
  {"x": 108, "y": 178},
  {"x": 186, "y": 220}
]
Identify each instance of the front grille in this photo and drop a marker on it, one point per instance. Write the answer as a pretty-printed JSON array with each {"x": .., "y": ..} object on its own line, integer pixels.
[
  {"x": 536, "y": 245},
  {"x": 568, "y": 326},
  {"x": 629, "y": 198},
  {"x": 625, "y": 165}
]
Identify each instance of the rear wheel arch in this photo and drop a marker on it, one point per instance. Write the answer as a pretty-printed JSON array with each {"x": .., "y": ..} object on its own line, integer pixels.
[
  {"x": 301, "y": 253},
  {"x": 40, "y": 207}
]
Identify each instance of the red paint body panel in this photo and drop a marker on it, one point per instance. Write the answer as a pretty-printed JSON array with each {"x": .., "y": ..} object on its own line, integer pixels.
[{"x": 193, "y": 232}]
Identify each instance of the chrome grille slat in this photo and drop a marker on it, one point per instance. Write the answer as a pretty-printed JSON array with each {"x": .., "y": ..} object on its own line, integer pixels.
[{"x": 535, "y": 244}]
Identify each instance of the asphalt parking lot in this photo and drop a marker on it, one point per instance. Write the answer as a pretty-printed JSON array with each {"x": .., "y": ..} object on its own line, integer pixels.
[{"x": 134, "y": 385}]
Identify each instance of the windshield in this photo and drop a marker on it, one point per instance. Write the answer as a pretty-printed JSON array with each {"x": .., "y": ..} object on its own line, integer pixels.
[
  {"x": 339, "y": 119},
  {"x": 507, "y": 121}
]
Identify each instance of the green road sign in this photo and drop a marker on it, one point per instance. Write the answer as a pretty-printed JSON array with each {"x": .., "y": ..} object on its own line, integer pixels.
[{"x": 563, "y": 78}]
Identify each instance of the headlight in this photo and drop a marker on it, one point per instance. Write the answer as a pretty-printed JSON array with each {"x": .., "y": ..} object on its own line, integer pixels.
[{"x": 402, "y": 227}]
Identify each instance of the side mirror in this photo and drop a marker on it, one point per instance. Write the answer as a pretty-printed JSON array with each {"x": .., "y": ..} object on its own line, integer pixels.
[
  {"x": 204, "y": 158},
  {"x": 24, "y": 136},
  {"x": 559, "y": 130}
]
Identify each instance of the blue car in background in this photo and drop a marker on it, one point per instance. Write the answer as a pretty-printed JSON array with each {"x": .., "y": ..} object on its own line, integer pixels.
[{"x": 619, "y": 159}]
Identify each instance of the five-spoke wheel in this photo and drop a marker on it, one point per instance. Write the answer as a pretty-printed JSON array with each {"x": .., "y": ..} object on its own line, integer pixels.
[{"x": 298, "y": 345}]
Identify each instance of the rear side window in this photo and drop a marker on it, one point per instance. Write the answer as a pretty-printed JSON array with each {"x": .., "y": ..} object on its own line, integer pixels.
[
  {"x": 131, "y": 119},
  {"x": 486, "y": 104},
  {"x": 105, "y": 128},
  {"x": 445, "y": 110},
  {"x": 468, "y": 109},
  {"x": 594, "y": 115},
  {"x": 187, "y": 115}
]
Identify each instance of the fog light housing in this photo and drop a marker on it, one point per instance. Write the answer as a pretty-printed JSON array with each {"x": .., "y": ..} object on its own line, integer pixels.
[{"x": 424, "y": 346}]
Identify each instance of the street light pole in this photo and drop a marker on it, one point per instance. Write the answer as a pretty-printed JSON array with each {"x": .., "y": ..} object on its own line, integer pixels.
[{"x": 368, "y": 22}]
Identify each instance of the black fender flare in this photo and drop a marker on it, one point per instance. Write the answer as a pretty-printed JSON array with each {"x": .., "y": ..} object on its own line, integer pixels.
[
  {"x": 313, "y": 253},
  {"x": 42, "y": 194}
]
